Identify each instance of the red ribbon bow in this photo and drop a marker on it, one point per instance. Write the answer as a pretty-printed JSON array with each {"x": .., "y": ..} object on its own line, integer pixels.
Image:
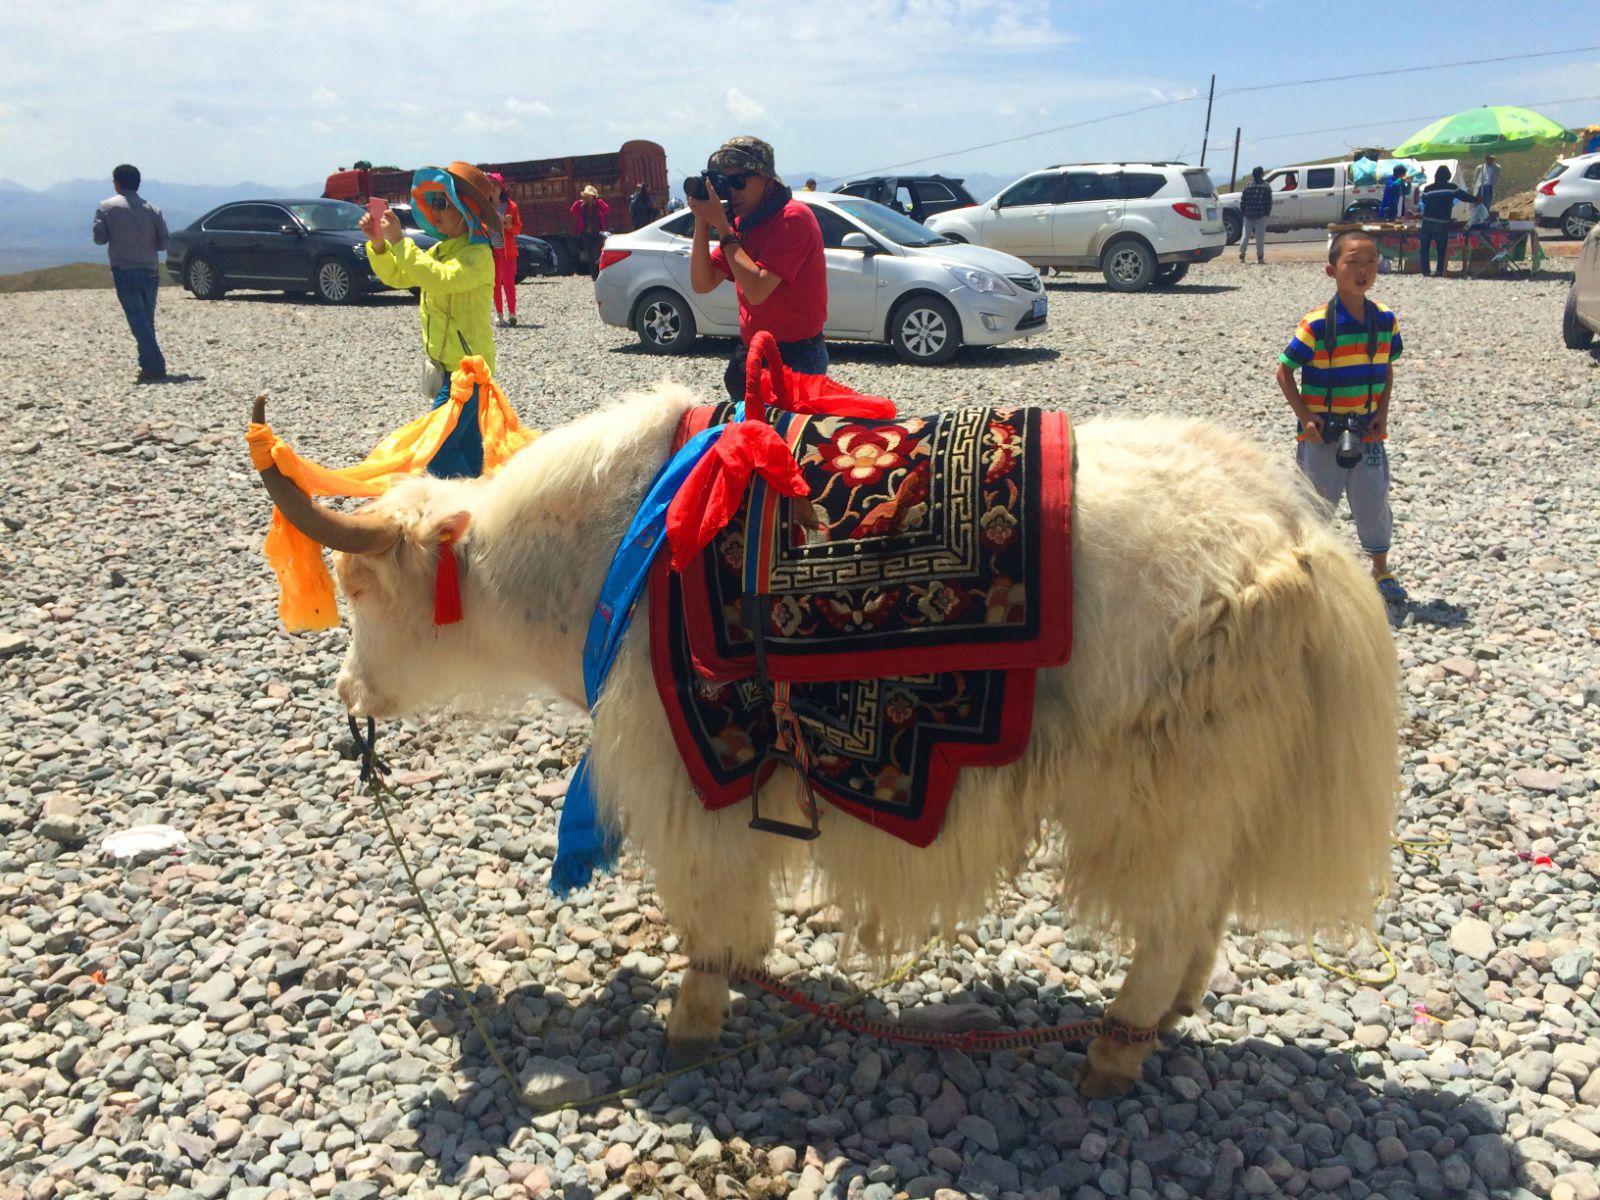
[{"x": 715, "y": 487}]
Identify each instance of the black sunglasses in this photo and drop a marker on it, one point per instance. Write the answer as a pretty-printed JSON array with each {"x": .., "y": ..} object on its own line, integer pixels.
[
  {"x": 737, "y": 182},
  {"x": 437, "y": 201}
]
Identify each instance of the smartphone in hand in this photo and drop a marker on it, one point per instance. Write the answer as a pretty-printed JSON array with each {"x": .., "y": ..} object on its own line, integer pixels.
[{"x": 376, "y": 207}]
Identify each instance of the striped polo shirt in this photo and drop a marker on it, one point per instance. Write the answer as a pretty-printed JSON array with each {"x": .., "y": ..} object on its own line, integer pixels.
[{"x": 1347, "y": 373}]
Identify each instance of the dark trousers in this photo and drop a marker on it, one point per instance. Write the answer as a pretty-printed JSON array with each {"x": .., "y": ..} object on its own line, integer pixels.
[
  {"x": 809, "y": 357},
  {"x": 1432, "y": 235},
  {"x": 591, "y": 251},
  {"x": 461, "y": 455},
  {"x": 136, "y": 288}
]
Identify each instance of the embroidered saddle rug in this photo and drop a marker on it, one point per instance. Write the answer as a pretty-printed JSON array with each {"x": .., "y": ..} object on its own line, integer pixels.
[{"x": 901, "y": 614}]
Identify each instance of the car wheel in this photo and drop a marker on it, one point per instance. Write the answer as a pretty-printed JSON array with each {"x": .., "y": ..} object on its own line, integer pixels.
[
  {"x": 1170, "y": 274},
  {"x": 1574, "y": 332},
  {"x": 202, "y": 278},
  {"x": 664, "y": 323},
  {"x": 925, "y": 330},
  {"x": 335, "y": 282},
  {"x": 1360, "y": 211},
  {"x": 1128, "y": 265},
  {"x": 1578, "y": 221},
  {"x": 1234, "y": 224}
]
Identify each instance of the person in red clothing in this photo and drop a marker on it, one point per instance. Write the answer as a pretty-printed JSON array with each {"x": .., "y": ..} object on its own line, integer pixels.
[
  {"x": 589, "y": 214},
  {"x": 505, "y": 254},
  {"x": 771, "y": 249}
]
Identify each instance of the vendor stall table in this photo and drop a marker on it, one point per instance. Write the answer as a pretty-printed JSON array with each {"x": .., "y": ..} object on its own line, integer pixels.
[{"x": 1479, "y": 250}]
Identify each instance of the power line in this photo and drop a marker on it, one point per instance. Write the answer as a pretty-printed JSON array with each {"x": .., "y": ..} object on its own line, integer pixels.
[
  {"x": 1257, "y": 87},
  {"x": 1023, "y": 136},
  {"x": 1466, "y": 62},
  {"x": 1273, "y": 137}
]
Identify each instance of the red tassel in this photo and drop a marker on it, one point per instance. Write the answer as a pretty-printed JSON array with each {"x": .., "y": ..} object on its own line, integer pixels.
[{"x": 446, "y": 588}]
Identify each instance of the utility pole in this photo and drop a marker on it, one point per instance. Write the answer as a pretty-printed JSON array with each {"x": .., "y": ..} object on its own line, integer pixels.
[
  {"x": 1234, "y": 178},
  {"x": 1206, "y": 137}
]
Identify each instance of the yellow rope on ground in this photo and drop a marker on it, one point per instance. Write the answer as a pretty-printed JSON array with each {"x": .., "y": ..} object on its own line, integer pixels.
[{"x": 1423, "y": 848}]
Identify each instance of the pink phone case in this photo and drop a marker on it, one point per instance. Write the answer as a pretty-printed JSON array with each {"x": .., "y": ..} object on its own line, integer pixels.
[{"x": 377, "y": 206}]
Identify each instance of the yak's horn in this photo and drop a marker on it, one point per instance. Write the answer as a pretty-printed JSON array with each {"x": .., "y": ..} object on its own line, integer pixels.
[{"x": 349, "y": 533}]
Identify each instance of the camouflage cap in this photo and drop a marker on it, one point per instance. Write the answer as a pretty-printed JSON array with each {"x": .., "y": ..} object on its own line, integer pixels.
[{"x": 743, "y": 153}]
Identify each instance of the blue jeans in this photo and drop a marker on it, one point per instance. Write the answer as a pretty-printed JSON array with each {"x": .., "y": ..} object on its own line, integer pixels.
[
  {"x": 461, "y": 456},
  {"x": 136, "y": 288},
  {"x": 805, "y": 358},
  {"x": 1432, "y": 235}
]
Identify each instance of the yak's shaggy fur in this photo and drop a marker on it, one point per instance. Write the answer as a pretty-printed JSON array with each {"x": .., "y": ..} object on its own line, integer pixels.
[{"x": 1221, "y": 744}]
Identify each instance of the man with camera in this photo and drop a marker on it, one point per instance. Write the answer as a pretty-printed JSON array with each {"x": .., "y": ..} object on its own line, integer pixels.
[{"x": 770, "y": 245}]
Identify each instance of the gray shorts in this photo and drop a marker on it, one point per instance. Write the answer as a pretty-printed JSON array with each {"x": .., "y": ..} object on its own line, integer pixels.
[{"x": 1366, "y": 484}]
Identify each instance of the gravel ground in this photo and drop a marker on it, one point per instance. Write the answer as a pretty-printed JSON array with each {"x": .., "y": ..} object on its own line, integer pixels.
[{"x": 265, "y": 1016}]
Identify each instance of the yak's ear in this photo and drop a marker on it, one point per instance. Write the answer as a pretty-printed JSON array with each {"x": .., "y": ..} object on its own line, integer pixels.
[{"x": 449, "y": 529}]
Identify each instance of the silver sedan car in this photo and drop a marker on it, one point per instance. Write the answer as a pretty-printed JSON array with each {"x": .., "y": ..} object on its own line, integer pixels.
[{"x": 889, "y": 280}]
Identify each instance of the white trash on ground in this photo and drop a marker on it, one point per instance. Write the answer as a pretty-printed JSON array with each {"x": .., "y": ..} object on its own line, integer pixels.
[{"x": 143, "y": 839}]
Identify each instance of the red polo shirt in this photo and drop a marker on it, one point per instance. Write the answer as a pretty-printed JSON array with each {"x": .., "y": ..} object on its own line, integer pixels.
[{"x": 789, "y": 245}]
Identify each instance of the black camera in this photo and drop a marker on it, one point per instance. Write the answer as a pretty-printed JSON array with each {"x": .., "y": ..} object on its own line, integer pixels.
[
  {"x": 700, "y": 187},
  {"x": 1346, "y": 432}
]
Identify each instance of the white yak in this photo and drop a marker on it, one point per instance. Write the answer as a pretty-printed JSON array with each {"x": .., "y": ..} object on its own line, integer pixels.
[{"x": 1221, "y": 745}]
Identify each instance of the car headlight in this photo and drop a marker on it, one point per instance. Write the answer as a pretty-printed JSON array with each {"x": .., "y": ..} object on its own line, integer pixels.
[{"x": 982, "y": 281}]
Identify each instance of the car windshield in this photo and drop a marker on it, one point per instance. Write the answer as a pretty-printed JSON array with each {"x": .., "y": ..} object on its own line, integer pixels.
[
  {"x": 903, "y": 231},
  {"x": 323, "y": 215}
]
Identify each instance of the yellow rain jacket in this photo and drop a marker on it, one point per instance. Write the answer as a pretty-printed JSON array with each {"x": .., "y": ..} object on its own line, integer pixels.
[
  {"x": 306, "y": 599},
  {"x": 457, "y": 281}
]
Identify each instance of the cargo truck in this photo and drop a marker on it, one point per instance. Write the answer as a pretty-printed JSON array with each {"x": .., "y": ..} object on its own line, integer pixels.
[{"x": 544, "y": 189}]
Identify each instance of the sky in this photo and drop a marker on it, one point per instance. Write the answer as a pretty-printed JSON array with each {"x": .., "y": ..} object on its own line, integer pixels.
[{"x": 283, "y": 91}]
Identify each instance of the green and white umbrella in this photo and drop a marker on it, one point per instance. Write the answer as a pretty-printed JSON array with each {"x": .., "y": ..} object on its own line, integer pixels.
[{"x": 1492, "y": 129}]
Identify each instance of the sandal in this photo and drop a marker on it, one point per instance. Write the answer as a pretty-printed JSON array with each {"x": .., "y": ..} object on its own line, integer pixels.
[{"x": 1390, "y": 589}]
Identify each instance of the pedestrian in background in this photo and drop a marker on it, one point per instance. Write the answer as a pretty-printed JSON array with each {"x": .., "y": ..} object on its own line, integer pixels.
[
  {"x": 1255, "y": 206},
  {"x": 810, "y": 186},
  {"x": 455, "y": 277},
  {"x": 641, "y": 209},
  {"x": 1393, "y": 205},
  {"x": 1436, "y": 200},
  {"x": 1484, "y": 182},
  {"x": 589, "y": 214},
  {"x": 134, "y": 232},
  {"x": 505, "y": 259}
]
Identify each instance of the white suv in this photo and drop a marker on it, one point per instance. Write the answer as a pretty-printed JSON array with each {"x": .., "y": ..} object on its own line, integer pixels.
[
  {"x": 1569, "y": 195},
  {"x": 1137, "y": 223}
]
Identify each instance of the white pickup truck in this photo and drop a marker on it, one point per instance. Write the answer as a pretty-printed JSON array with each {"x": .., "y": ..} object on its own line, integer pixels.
[{"x": 1314, "y": 194}]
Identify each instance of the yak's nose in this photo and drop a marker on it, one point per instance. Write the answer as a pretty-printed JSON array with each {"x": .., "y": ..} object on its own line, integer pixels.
[{"x": 358, "y": 699}]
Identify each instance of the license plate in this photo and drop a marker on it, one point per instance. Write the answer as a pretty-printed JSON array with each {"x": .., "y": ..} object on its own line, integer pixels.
[{"x": 1039, "y": 306}]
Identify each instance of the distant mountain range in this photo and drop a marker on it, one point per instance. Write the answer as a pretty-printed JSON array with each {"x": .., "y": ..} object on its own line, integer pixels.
[{"x": 46, "y": 227}]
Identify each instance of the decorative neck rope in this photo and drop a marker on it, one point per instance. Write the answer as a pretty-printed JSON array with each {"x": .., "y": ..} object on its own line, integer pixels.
[{"x": 447, "y": 586}]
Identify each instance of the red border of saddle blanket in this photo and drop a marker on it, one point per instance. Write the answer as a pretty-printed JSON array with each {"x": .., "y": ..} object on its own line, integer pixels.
[
  {"x": 1052, "y": 646},
  {"x": 946, "y": 760}
]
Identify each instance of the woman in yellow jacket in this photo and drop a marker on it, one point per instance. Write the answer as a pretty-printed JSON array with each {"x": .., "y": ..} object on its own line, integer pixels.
[{"x": 456, "y": 279}]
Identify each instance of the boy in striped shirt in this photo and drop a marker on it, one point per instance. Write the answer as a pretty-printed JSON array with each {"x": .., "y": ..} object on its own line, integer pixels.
[{"x": 1347, "y": 376}]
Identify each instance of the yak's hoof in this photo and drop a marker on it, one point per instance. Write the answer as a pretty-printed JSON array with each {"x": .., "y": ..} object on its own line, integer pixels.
[
  {"x": 1097, "y": 1083},
  {"x": 681, "y": 1054},
  {"x": 1175, "y": 1016}
]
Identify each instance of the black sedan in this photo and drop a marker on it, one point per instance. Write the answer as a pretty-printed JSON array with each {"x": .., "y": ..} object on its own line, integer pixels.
[{"x": 275, "y": 245}]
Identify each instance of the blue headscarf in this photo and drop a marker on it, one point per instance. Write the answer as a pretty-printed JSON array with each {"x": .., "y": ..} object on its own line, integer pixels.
[{"x": 430, "y": 179}]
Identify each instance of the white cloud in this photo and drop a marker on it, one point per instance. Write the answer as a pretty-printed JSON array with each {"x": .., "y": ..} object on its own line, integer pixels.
[
  {"x": 476, "y": 122},
  {"x": 324, "y": 97},
  {"x": 526, "y": 108},
  {"x": 742, "y": 108}
]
